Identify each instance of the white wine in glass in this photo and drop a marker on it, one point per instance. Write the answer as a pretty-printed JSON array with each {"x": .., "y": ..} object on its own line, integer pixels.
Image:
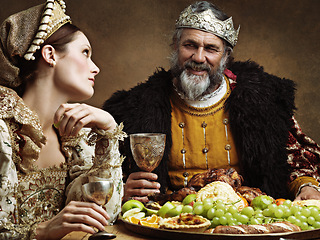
[{"x": 99, "y": 192}]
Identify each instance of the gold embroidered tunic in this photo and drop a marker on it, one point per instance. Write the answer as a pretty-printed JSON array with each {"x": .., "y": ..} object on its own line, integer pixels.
[
  {"x": 201, "y": 139},
  {"x": 29, "y": 195}
]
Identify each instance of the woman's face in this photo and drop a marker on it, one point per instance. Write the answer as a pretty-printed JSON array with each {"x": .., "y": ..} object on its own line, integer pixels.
[{"x": 74, "y": 70}]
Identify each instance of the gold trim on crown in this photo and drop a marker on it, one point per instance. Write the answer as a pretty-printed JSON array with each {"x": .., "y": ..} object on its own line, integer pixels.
[
  {"x": 52, "y": 19},
  {"x": 206, "y": 21}
]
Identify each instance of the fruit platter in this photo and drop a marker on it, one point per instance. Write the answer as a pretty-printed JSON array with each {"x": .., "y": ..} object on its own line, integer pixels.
[{"x": 218, "y": 211}]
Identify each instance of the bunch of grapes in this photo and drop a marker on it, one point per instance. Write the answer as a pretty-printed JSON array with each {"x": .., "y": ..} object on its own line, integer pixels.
[{"x": 262, "y": 211}]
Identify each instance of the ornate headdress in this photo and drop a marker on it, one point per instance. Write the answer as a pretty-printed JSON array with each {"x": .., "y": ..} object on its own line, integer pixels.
[
  {"x": 53, "y": 18},
  {"x": 22, "y": 34},
  {"x": 207, "y": 21}
]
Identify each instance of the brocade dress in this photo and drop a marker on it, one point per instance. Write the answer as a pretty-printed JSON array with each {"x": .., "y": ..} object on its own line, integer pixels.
[{"x": 29, "y": 195}]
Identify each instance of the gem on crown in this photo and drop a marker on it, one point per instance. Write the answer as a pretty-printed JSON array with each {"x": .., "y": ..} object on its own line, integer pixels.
[
  {"x": 53, "y": 18},
  {"x": 206, "y": 21}
]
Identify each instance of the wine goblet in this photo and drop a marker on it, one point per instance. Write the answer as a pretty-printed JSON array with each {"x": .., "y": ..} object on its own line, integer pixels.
[
  {"x": 147, "y": 149},
  {"x": 99, "y": 192}
]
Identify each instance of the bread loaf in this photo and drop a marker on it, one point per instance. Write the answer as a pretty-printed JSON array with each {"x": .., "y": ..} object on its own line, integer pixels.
[{"x": 277, "y": 227}]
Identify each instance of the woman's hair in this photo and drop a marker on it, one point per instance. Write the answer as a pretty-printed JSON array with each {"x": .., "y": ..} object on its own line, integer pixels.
[{"x": 58, "y": 40}]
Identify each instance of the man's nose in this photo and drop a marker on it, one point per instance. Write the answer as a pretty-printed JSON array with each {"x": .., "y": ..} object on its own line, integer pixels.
[{"x": 199, "y": 55}]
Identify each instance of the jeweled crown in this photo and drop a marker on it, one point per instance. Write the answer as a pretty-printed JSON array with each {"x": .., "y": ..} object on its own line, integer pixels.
[
  {"x": 52, "y": 19},
  {"x": 207, "y": 21}
]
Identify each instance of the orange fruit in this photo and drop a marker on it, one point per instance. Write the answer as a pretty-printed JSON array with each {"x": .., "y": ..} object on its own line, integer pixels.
[
  {"x": 148, "y": 224},
  {"x": 153, "y": 219},
  {"x": 279, "y": 201},
  {"x": 133, "y": 219}
]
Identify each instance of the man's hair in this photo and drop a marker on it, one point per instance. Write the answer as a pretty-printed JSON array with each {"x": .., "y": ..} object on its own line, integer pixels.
[{"x": 199, "y": 7}]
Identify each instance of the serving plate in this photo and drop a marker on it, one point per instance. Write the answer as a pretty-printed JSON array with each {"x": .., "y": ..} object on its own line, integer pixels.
[{"x": 179, "y": 235}]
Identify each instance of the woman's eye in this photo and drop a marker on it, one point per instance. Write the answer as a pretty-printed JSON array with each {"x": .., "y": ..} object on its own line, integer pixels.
[{"x": 86, "y": 52}]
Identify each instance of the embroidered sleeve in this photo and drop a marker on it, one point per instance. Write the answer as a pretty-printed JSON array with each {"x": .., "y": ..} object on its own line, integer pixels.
[
  {"x": 9, "y": 228},
  {"x": 96, "y": 157},
  {"x": 303, "y": 156}
]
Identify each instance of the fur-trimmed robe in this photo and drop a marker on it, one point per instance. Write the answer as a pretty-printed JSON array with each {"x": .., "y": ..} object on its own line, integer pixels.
[{"x": 260, "y": 107}]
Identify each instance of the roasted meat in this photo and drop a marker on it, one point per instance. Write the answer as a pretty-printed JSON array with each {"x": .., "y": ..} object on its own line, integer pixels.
[
  {"x": 229, "y": 176},
  {"x": 175, "y": 196},
  {"x": 249, "y": 193}
]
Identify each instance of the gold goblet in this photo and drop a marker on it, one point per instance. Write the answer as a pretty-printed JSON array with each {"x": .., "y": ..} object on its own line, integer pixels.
[
  {"x": 100, "y": 193},
  {"x": 147, "y": 149}
]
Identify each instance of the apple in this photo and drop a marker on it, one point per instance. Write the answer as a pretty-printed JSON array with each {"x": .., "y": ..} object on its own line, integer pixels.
[
  {"x": 174, "y": 211},
  {"x": 188, "y": 199},
  {"x": 165, "y": 208},
  {"x": 149, "y": 211},
  {"x": 132, "y": 204}
]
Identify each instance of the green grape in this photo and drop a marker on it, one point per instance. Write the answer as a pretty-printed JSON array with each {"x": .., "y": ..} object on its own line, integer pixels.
[
  {"x": 236, "y": 215},
  {"x": 311, "y": 228},
  {"x": 304, "y": 226},
  {"x": 223, "y": 220},
  {"x": 232, "y": 221},
  {"x": 187, "y": 209},
  {"x": 228, "y": 215},
  {"x": 219, "y": 212},
  {"x": 316, "y": 224},
  {"x": 305, "y": 212},
  {"x": 221, "y": 206},
  {"x": 254, "y": 221},
  {"x": 258, "y": 215},
  {"x": 272, "y": 207},
  {"x": 248, "y": 211},
  {"x": 286, "y": 213},
  {"x": 278, "y": 213},
  {"x": 207, "y": 206},
  {"x": 208, "y": 200},
  {"x": 287, "y": 203},
  {"x": 198, "y": 210},
  {"x": 232, "y": 209},
  {"x": 314, "y": 212},
  {"x": 197, "y": 203},
  {"x": 267, "y": 212},
  {"x": 211, "y": 213},
  {"x": 294, "y": 209},
  {"x": 298, "y": 214},
  {"x": 297, "y": 222},
  {"x": 317, "y": 217},
  {"x": 244, "y": 219},
  {"x": 215, "y": 221},
  {"x": 311, "y": 220},
  {"x": 292, "y": 219},
  {"x": 261, "y": 202},
  {"x": 303, "y": 218}
]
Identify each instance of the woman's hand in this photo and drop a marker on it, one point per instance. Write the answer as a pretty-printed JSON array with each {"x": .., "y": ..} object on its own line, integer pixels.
[
  {"x": 139, "y": 185},
  {"x": 70, "y": 118},
  {"x": 76, "y": 216},
  {"x": 308, "y": 192}
]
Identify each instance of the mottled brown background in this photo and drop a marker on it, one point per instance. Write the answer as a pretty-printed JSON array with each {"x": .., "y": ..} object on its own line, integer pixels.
[{"x": 131, "y": 38}]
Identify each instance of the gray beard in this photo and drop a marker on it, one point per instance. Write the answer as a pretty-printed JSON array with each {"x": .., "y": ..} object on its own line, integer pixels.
[{"x": 194, "y": 87}]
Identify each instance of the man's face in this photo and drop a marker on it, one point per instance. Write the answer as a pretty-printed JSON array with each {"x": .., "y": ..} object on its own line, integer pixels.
[{"x": 199, "y": 62}]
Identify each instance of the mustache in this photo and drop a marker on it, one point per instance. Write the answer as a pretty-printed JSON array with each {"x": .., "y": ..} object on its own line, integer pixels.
[{"x": 197, "y": 66}]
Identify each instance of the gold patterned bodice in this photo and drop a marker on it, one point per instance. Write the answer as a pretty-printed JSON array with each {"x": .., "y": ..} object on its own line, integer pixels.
[
  {"x": 40, "y": 194},
  {"x": 201, "y": 140}
]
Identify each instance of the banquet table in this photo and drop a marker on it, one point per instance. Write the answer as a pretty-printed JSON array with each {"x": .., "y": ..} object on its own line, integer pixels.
[{"x": 118, "y": 228}]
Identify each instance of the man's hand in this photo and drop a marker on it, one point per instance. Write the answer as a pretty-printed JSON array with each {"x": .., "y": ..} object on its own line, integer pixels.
[
  {"x": 139, "y": 185},
  {"x": 308, "y": 192}
]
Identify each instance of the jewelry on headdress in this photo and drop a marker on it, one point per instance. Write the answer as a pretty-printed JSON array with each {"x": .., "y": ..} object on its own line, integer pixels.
[
  {"x": 206, "y": 21},
  {"x": 52, "y": 19}
]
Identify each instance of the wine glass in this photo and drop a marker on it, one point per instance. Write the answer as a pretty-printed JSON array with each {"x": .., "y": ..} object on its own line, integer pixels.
[
  {"x": 147, "y": 149},
  {"x": 100, "y": 193}
]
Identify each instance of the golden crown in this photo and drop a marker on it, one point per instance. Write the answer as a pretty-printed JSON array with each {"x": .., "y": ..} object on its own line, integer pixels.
[
  {"x": 206, "y": 21},
  {"x": 53, "y": 17}
]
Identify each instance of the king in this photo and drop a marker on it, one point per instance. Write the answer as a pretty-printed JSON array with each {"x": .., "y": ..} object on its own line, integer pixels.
[{"x": 217, "y": 114}]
